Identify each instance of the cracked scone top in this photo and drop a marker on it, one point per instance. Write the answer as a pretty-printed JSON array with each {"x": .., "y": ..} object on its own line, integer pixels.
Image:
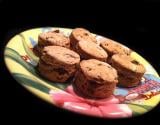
[
  {"x": 91, "y": 50},
  {"x": 55, "y": 38},
  {"x": 127, "y": 64},
  {"x": 60, "y": 55},
  {"x": 80, "y": 34},
  {"x": 113, "y": 47},
  {"x": 98, "y": 71}
]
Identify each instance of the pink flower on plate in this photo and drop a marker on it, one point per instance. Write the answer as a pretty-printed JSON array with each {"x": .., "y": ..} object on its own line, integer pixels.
[{"x": 109, "y": 107}]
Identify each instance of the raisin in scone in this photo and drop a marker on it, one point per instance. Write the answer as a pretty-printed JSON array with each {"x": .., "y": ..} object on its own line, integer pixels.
[
  {"x": 50, "y": 38},
  {"x": 95, "y": 79},
  {"x": 129, "y": 70},
  {"x": 91, "y": 50},
  {"x": 57, "y": 63},
  {"x": 80, "y": 34}
]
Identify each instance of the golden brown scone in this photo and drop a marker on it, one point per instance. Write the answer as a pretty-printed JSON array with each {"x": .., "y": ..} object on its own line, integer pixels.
[
  {"x": 55, "y": 38},
  {"x": 80, "y": 34},
  {"x": 129, "y": 70},
  {"x": 58, "y": 63},
  {"x": 112, "y": 47},
  {"x": 50, "y": 38},
  {"x": 95, "y": 79},
  {"x": 91, "y": 50}
]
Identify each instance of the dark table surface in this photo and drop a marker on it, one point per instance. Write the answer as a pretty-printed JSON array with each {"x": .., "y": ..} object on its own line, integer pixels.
[{"x": 135, "y": 25}]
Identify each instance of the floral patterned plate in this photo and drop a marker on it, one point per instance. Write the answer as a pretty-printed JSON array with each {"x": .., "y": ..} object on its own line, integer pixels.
[{"x": 21, "y": 62}]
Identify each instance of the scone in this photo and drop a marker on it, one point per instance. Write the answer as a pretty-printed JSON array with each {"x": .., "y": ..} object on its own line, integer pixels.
[
  {"x": 57, "y": 63},
  {"x": 91, "y": 50},
  {"x": 95, "y": 79},
  {"x": 112, "y": 47},
  {"x": 80, "y": 34},
  {"x": 50, "y": 38},
  {"x": 129, "y": 70}
]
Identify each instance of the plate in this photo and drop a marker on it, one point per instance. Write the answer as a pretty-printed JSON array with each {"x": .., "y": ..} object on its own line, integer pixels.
[{"x": 126, "y": 102}]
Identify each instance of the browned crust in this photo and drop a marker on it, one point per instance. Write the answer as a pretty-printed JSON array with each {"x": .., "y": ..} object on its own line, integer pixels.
[
  {"x": 92, "y": 89},
  {"x": 53, "y": 38},
  {"x": 98, "y": 71},
  {"x": 60, "y": 56},
  {"x": 91, "y": 83},
  {"x": 113, "y": 47},
  {"x": 126, "y": 81},
  {"x": 49, "y": 39},
  {"x": 129, "y": 70},
  {"x": 127, "y": 65},
  {"x": 90, "y": 50},
  {"x": 79, "y": 34},
  {"x": 55, "y": 65},
  {"x": 56, "y": 74}
]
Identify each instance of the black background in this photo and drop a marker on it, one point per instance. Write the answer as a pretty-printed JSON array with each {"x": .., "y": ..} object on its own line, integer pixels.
[{"x": 135, "y": 24}]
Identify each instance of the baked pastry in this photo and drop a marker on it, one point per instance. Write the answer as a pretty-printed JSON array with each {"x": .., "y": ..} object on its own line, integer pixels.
[
  {"x": 130, "y": 71},
  {"x": 50, "y": 38},
  {"x": 112, "y": 47},
  {"x": 80, "y": 34},
  {"x": 95, "y": 79},
  {"x": 57, "y": 63},
  {"x": 91, "y": 50}
]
